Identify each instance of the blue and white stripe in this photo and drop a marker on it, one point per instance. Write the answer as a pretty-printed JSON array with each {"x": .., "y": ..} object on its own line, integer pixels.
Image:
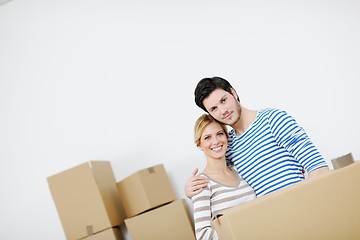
[{"x": 271, "y": 153}]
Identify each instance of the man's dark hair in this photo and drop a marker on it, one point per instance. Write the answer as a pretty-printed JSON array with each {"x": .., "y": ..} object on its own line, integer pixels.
[{"x": 206, "y": 86}]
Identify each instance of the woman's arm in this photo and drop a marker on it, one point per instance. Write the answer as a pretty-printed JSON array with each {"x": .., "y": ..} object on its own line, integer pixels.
[{"x": 202, "y": 216}]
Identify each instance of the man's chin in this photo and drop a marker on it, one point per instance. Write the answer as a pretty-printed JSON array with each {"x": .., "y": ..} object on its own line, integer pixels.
[
  {"x": 232, "y": 122},
  {"x": 227, "y": 122}
]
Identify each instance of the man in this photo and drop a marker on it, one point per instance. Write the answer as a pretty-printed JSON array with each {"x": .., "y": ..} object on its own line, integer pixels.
[{"x": 267, "y": 147}]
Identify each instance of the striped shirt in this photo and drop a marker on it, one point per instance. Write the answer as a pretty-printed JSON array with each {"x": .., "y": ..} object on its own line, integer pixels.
[
  {"x": 271, "y": 153},
  {"x": 215, "y": 198}
]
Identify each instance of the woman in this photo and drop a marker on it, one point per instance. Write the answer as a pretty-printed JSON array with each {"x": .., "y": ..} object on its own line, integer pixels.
[{"x": 225, "y": 188}]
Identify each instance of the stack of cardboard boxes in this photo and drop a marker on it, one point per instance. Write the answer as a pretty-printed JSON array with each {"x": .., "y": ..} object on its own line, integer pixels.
[
  {"x": 87, "y": 202},
  {"x": 92, "y": 205},
  {"x": 151, "y": 207}
]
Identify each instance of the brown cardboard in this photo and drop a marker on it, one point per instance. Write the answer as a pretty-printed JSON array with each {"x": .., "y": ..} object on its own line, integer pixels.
[
  {"x": 325, "y": 207},
  {"x": 342, "y": 161},
  {"x": 86, "y": 199},
  {"x": 108, "y": 234},
  {"x": 145, "y": 189},
  {"x": 170, "y": 221}
]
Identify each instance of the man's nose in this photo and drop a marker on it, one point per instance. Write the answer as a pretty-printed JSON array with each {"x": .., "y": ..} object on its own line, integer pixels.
[{"x": 223, "y": 110}]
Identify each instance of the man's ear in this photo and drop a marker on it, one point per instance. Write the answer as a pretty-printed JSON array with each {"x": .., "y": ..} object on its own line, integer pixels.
[{"x": 233, "y": 92}]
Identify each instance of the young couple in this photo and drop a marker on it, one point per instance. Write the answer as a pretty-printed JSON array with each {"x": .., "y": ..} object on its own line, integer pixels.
[{"x": 264, "y": 151}]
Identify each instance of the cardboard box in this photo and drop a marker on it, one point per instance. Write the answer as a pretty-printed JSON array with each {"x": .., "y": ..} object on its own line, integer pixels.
[
  {"x": 170, "y": 221},
  {"x": 342, "y": 161},
  {"x": 108, "y": 234},
  {"x": 86, "y": 199},
  {"x": 325, "y": 207},
  {"x": 145, "y": 189}
]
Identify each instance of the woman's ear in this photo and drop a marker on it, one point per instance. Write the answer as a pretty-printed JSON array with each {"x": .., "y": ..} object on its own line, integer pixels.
[{"x": 199, "y": 147}]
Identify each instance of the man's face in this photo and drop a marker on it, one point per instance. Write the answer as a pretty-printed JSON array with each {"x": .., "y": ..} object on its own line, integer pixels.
[{"x": 223, "y": 106}]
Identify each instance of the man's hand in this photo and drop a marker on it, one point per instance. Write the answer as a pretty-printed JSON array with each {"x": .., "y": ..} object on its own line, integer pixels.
[
  {"x": 195, "y": 184},
  {"x": 318, "y": 171}
]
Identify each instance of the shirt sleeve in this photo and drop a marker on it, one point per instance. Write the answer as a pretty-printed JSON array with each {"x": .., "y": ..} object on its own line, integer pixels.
[
  {"x": 202, "y": 216},
  {"x": 293, "y": 137}
]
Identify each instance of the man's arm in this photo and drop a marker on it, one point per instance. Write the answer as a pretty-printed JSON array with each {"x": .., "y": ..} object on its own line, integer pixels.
[
  {"x": 195, "y": 184},
  {"x": 290, "y": 135},
  {"x": 318, "y": 172}
]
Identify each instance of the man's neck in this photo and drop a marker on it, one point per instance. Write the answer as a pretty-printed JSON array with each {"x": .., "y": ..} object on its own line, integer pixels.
[{"x": 247, "y": 117}]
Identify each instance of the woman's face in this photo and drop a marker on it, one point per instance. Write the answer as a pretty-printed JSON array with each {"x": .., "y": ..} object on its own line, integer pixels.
[{"x": 213, "y": 141}]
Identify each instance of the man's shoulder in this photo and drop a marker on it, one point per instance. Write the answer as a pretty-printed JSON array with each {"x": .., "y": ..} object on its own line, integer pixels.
[{"x": 271, "y": 112}]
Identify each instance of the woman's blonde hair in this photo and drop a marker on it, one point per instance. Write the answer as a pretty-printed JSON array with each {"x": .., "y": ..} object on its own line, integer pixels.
[{"x": 201, "y": 123}]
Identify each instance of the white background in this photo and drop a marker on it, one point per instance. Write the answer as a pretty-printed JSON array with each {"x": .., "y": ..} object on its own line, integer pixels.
[{"x": 114, "y": 80}]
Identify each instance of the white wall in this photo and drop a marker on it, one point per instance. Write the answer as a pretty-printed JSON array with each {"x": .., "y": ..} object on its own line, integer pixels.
[{"x": 114, "y": 80}]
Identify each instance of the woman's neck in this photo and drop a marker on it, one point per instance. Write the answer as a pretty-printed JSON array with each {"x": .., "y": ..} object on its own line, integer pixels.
[
  {"x": 216, "y": 166},
  {"x": 221, "y": 173}
]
